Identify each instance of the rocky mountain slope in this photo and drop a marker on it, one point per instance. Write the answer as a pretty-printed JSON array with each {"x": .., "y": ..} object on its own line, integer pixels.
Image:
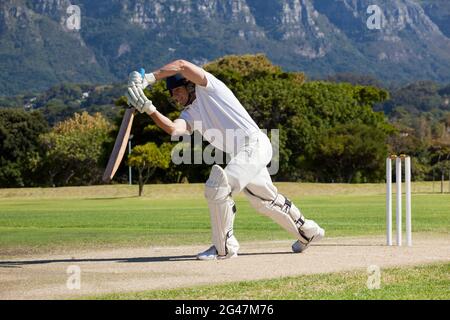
[{"x": 38, "y": 48}]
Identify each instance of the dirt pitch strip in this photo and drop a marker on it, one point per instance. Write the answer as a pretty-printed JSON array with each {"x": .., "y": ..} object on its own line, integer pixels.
[{"x": 141, "y": 269}]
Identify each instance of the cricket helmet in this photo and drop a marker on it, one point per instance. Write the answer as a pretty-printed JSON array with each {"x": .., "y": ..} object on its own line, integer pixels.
[{"x": 176, "y": 81}]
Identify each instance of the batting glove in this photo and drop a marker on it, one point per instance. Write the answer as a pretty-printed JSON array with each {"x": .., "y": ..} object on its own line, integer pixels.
[
  {"x": 141, "y": 80},
  {"x": 138, "y": 99}
]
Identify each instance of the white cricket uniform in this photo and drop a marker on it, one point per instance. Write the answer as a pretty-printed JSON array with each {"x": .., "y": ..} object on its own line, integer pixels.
[
  {"x": 216, "y": 109},
  {"x": 222, "y": 120}
]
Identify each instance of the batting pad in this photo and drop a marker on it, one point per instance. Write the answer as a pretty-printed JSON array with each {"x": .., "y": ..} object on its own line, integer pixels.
[
  {"x": 222, "y": 211},
  {"x": 283, "y": 212}
]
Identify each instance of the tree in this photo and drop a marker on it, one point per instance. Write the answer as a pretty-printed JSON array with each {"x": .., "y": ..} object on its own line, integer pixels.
[
  {"x": 356, "y": 79},
  {"x": 350, "y": 153},
  {"x": 235, "y": 71},
  {"x": 301, "y": 111},
  {"x": 19, "y": 151},
  {"x": 73, "y": 150},
  {"x": 147, "y": 158},
  {"x": 416, "y": 97}
]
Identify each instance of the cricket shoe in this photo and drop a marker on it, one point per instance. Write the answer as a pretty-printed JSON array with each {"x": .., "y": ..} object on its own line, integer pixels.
[
  {"x": 298, "y": 246},
  {"x": 212, "y": 254}
]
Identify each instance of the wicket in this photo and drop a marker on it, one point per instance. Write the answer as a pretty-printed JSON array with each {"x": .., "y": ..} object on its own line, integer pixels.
[{"x": 398, "y": 177}]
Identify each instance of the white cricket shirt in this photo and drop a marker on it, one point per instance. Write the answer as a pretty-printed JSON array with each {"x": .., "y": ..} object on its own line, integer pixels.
[{"x": 219, "y": 116}]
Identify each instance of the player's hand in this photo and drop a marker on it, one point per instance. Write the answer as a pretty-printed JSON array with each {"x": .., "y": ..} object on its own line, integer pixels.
[
  {"x": 141, "y": 80},
  {"x": 137, "y": 99}
]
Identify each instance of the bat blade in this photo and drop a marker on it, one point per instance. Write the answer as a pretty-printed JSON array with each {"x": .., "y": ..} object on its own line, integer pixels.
[{"x": 120, "y": 146}]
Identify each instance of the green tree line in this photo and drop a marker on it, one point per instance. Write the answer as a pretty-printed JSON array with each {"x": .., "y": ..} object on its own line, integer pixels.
[{"x": 330, "y": 131}]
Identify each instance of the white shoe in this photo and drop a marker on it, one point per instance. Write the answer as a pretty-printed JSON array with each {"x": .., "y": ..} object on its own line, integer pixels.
[
  {"x": 211, "y": 254},
  {"x": 299, "y": 247}
]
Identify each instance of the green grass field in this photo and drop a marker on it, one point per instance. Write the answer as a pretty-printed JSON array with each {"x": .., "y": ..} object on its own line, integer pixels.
[
  {"x": 53, "y": 220},
  {"x": 34, "y": 220},
  {"x": 430, "y": 282}
]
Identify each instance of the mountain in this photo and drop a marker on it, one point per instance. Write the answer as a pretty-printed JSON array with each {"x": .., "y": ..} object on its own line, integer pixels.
[
  {"x": 321, "y": 38},
  {"x": 439, "y": 13},
  {"x": 36, "y": 51},
  {"x": 409, "y": 45}
]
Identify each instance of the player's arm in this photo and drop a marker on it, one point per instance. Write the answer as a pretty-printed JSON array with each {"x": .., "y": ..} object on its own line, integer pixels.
[
  {"x": 178, "y": 127},
  {"x": 137, "y": 98},
  {"x": 189, "y": 70}
]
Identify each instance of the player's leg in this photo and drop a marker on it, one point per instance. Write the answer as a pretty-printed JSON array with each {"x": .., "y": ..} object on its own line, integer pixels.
[
  {"x": 252, "y": 157},
  {"x": 222, "y": 211},
  {"x": 264, "y": 197}
]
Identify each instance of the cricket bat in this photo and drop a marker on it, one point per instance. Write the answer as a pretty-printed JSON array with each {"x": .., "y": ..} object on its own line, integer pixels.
[{"x": 120, "y": 145}]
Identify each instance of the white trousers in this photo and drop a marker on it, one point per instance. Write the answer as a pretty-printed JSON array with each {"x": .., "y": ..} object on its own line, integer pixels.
[
  {"x": 248, "y": 172},
  {"x": 248, "y": 169}
]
